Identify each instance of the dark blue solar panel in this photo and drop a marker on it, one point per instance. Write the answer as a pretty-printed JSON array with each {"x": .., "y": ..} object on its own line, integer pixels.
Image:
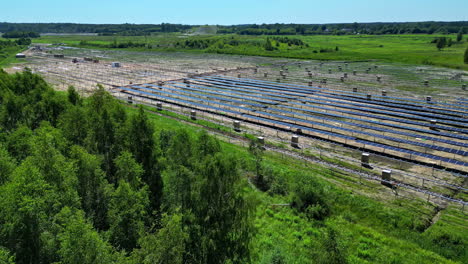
[
  {"x": 415, "y": 143},
  {"x": 434, "y": 157},
  {"x": 256, "y": 95},
  {"x": 420, "y": 110},
  {"x": 400, "y": 100},
  {"x": 451, "y": 142},
  {"x": 189, "y": 103},
  {"x": 409, "y": 121},
  {"x": 398, "y": 120},
  {"x": 206, "y": 95}
]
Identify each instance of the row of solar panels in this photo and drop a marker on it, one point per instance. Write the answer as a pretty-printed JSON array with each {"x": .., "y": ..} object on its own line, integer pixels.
[
  {"x": 191, "y": 94},
  {"x": 368, "y": 104},
  {"x": 386, "y": 115},
  {"x": 185, "y": 102},
  {"x": 192, "y": 98},
  {"x": 309, "y": 89},
  {"x": 356, "y": 113},
  {"x": 191, "y": 103},
  {"x": 398, "y": 99},
  {"x": 284, "y": 95},
  {"x": 365, "y": 142},
  {"x": 221, "y": 98},
  {"x": 450, "y": 142},
  {"x": 433, "y": 113},
  {"x": 349, "y": 130},
  {"x": 272, "y": 100},
  {"x": 363, "y": 120}
]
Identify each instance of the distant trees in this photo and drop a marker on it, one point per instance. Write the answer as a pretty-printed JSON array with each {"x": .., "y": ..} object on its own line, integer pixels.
[
  {"x": 465, "y": 58},
  {"x": 21, "y": 34},
  {"x": 460, "y": 35},
  {"x": 268, "y": 45},
  {"x": 449, "y": 42},
  {"x": 441, "y": 43},
  {"x": 345, "y": 28}
]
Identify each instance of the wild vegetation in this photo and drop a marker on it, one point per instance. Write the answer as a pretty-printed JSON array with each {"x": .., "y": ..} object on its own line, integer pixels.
[
  {"x": 20, "y": 34},
  {"x": 413, "y": 49},
  {"x": 93, "y": 181},
  {"x": 8, "y": 49}
]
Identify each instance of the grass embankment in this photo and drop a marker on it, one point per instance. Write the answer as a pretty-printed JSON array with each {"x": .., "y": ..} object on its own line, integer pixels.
[
  {"x": 357, "y": 229},
  {"x": 8, "y": 55},
  {"x": 413, "y": 49}
]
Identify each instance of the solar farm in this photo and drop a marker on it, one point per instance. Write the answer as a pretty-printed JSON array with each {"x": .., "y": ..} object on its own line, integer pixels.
[
  {"x": 406, "y": 120},
  {"x": 422, "y": 140}
]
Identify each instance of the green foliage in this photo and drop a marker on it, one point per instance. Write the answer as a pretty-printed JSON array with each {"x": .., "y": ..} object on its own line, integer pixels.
[
  {"x": 268, "y": 45},
  {"x": 6, "y": 257},
  {"x": 7, "y": 165},
  {"x": 441, "y": 43},
  {"x": 460, "y": 35},
  {"x": 223, "y": 214},
  {"x": 142, "y": 144},
  {"x": 20, "y": 34},
  {"x": 128, "y": 169},
  {"x": 18, "y": 143},
  {"x": 257, "y": 149},
  {"x": 179, "y": 188},
  {"x": 26, "y": 201},
  {"x": 167, "y": 245},
  {"x": 310, "y": 197},
  {"x": 465, "y": 57},
  {"x": 73, "y": 123},
  {"x": 334, "y": 251},
  {"x": 93, "y": 188},
  {"x": 79, "y": 243},
  {"x": 127, "y": 215},
  {"x": 73, "y": 96}
]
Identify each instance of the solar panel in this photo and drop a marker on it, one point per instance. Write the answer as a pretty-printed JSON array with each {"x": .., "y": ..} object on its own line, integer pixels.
[
  {"x": 415, "y": 101},
  {"x": 415, "y": 143},
  {"x": 378, "y": 102}
]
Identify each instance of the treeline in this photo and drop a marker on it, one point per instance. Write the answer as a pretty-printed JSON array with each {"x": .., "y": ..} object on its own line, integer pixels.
[
  {"x": 249, "y": 29},
  {"x": 345, "y": 28},
  {"x": 13, "y": 43},
  {"x": 20, "y": 34},
  {"x": 82, "y": 181},
  {"x": 102, "y": 29}
]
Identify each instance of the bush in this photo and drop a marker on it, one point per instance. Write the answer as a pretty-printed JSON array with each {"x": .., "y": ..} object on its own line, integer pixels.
[
  {"x": 310, "y": 198},
  {"x": 465, "y": 59}
]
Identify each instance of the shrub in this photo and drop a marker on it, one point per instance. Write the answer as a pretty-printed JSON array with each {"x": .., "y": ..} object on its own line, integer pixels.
[
  {"x": 465, "y": 59},
  {"x": 310, "y": 198}
]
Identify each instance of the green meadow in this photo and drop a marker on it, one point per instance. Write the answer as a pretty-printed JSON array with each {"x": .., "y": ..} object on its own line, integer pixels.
[{"x": 412, "y": 49}]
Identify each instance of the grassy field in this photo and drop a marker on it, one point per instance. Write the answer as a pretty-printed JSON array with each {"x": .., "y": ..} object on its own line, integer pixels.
[
  {"x": 7, "y": 55},
  {"x": 413, "y": 49}
]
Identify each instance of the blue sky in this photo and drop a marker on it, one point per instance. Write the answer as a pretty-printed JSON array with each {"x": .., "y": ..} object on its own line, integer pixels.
[{"x": 232, "y": 12}]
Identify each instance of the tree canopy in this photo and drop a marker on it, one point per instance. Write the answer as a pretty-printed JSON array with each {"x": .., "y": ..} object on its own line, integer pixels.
[{"x": 81, "y": 181}]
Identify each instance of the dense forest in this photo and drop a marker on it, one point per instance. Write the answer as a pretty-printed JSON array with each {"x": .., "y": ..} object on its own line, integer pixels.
[
  {"x": 102, "y": 29},
  {"x": 20, "y": 34},
  {"x": 347, "y": 28},
  {"x": 248, "y": 29},
  {"x": 81, "y": 181}
]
